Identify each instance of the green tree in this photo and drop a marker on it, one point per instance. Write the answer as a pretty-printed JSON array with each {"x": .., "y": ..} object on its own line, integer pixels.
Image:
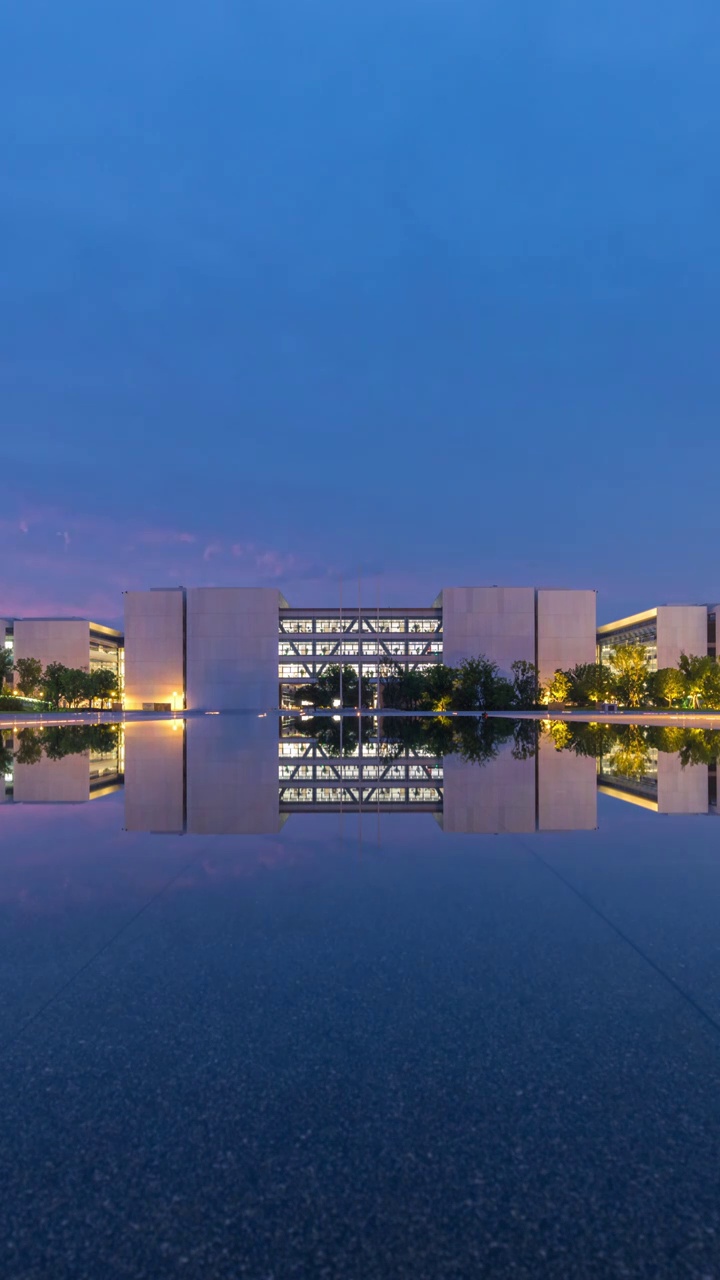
[
  {"x": 102, "y": 685},
  {"x": 53, "y": 683},
  {"x": 667, "y": 684},
  {"x": 6, "y": 666},
  {"x": 589, "y": 683},
  {"x": 75, "y": 686},
  {"x": 558, "y": 689},
  {"x": 702, "y": 677},
  {"x": 476, "y": 685},
  {"x": 29, "y": 673},
  {"x": 404, "y": 689},
  {"x": 439, "y": 683},
  {"x": 325, "y": 691},
  {"x": 525, "y": 685},
  {"x": 630, "y": 669}
]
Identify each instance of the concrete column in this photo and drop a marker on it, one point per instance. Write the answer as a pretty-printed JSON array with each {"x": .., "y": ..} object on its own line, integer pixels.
[{"x": 154, "y": 647}]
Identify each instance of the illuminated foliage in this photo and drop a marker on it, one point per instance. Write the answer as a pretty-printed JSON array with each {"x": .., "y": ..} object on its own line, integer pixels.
[
  {"x": 630, "y": 669},
  {"x": 667, "y": 685}
]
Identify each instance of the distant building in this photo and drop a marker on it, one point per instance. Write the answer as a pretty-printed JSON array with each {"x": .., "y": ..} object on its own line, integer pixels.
[
  {"x": 666, "y": 631},
  {"x": 73, "y": 641},
  {"x": 234, "y": 648}
]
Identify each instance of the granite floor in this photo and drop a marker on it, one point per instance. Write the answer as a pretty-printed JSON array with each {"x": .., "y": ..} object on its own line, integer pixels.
[{"x": 301, "y": 1056}]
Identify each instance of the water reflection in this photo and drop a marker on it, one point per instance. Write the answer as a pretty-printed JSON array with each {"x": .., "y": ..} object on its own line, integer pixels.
[
  {"x": 61, "y": 764},
  {"x": 225, "y": 776}
]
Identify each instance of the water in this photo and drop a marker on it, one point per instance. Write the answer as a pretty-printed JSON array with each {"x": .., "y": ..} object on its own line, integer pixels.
[{"x": 438, "y": 1000}]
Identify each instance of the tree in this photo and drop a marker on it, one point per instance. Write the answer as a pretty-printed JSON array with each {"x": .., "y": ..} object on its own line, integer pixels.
[
  {"x": 702, "y": 676},
  {"x": 53, "y": 683},
  {"x": 525, "y": 685},
  {"x": 102, "y": 685},
  {"x": 6, "y": 666},
  {"x": 589, "y": 683},
  {"x": 75, "y": 686},
  {"x": 439, "y": 685},
  {"x": 630, "y": 668},
  {"x": 404, "y": 689},
  {"x": 558, "y": 689},
  {"x": 476, "y": 684},
  {"x": 29, "y": 672},
  {"x": 667, "y": 684},
  {"x": 325, "y": 691}
]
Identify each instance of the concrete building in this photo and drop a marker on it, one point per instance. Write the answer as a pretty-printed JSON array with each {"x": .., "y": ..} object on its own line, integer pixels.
[
  {"x": 667, "y": 631},
  {"x": 220, "y": 648},
  {"x": 75, "y": 642}
]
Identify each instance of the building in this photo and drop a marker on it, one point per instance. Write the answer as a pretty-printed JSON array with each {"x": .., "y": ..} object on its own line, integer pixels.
[
  {"x": 74, "y": 642},
  {"x": 667, "y": 631},
  {"x": 244, "y": 648}
]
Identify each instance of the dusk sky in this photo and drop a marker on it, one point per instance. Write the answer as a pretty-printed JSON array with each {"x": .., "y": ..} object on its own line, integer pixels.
[{"x": 428, "y": 288}]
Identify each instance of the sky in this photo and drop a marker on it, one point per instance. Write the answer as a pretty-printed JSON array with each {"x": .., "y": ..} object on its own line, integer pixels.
[{"x": 421, "y": 291}]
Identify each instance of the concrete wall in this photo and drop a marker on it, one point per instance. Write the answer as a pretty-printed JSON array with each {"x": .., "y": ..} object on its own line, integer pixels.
[
  {"x": 567, "y": 789},
  {"x": 53, "y": 640},
  {"x": 232, "y": 648},
  {"x": 680, "y": 628},
  {"x": 496, "y": 621},
  {"x": 567, "y": 625},
  {"x": 155, "y": 776},
  {"x": 488, "y": 799},
  {"x": 232, "y": 778},
  {"x": 153, "y": 647},
  {"x": 65, "y": 781},
  {"x": 681, "y": 790}
]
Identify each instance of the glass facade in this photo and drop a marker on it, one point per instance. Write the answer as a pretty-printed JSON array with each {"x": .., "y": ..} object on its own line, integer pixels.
[
  {"x": 310, "y": 643},
  {"x": 644, "y": 633}
]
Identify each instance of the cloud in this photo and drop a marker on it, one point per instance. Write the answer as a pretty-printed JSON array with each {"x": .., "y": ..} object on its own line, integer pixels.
[
  {"x": 23, "y": 526},
  {"x": 212, "y": 549},
  {"x": 165, "y": 537},
  {"x": 65, "y": 537}
]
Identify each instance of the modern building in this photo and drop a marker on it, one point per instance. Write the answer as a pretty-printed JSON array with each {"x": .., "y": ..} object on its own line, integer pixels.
[
  {"x": 244, "y": 648},
  {"x": 667, "y": 631},
  {"x": 73, "y": 641}
]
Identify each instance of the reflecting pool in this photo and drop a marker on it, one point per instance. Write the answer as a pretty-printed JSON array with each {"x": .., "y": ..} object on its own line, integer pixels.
[{"x": 360, "y": 998}]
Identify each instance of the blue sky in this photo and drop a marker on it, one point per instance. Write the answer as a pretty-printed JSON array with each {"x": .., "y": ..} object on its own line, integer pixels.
[{"x": 427, "y": 288}]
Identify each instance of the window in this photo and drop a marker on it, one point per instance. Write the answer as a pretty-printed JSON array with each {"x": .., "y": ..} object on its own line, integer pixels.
[{"x": 296, "y": 624}]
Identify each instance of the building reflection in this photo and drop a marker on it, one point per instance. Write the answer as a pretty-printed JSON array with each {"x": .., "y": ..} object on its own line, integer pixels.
[
  {"x": 213, "y": 783},
  {"x": 61, "y": 764},
  {"x": 217, "y": 777}
]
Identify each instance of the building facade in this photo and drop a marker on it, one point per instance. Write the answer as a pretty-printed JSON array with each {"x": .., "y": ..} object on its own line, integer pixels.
[
  {"x": 667, "y": 631},
  {"x": 246, "y": 648},
  {"x": 75, "y": 642}
]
